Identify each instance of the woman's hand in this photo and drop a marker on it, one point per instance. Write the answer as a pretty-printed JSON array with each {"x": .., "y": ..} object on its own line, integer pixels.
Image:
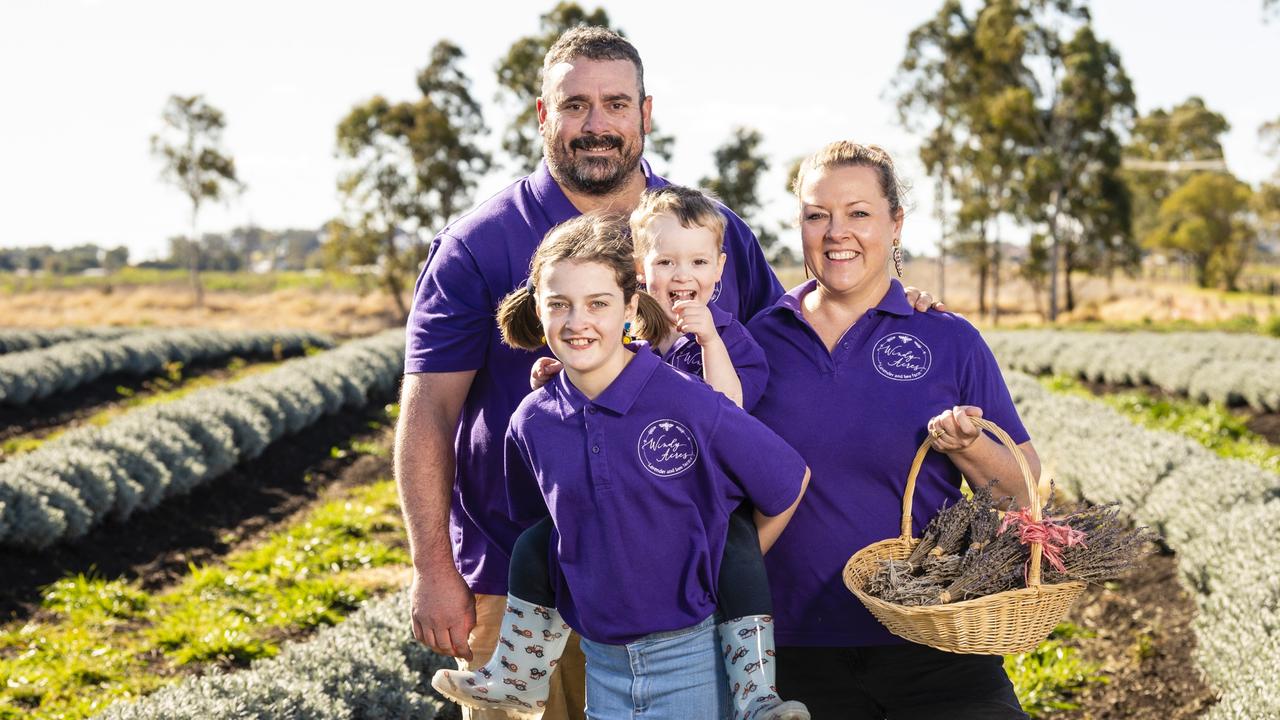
[
  {"x": 544, "y": 368},
  {"x": 952, "y": 431}
]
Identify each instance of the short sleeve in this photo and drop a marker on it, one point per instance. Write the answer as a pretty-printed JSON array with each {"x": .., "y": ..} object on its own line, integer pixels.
[
  {"x": 452, "y": 319},
  {"x": 982, "y": 384},
  {"x": 768, "y": 470},
  {"x": 758, "y": 287},
  {"x": 525, "y": 503},
  {"x": 749, "y": 361}
]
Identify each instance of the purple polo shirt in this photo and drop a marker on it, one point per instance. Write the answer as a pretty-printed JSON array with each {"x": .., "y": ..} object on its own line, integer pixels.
[
  {"x": 640, "y": 483},
  {"x": 857, "y": 415},
  {"x": 744, "y": 352},
  {"x": 474, "y": 262}
]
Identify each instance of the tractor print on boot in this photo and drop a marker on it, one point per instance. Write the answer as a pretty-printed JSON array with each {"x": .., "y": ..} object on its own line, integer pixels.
[
  {"x": 517, "y": 678},
  {"x": 749, "y": 662}
]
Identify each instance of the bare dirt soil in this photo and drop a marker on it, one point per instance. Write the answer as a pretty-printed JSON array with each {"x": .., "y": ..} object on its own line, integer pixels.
[{"x": 1143, "y": 639}]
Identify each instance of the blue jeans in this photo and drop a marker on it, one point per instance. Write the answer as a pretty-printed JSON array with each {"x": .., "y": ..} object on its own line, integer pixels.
[{"x": 665, "y": 676}]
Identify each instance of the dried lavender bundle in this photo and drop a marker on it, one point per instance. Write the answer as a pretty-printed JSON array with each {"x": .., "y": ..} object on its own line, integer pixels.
[
  {"x": 986, "y": 519},
  {"x": 993, "y": 568},
  {"x": 941, "y": 569},
  {"x": 1110, "y": 546},
  {"x": 895, "y": 583},
  {"x": 946, "y": 532}
]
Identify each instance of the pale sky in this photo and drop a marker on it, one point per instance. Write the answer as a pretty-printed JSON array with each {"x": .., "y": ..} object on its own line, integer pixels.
[{"x": 83, "y": 82}]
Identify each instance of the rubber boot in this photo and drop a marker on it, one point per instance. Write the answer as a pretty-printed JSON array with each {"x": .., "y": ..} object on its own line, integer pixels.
[
  {"x": 518, "y": 676},
  {"x": 749, "y": 659}
]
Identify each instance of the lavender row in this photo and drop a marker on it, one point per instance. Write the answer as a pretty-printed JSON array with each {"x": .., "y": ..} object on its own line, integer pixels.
[
  {"x": 37, "y": 374},
  {"x": 1221, "y": 516},
  {"x": 1228, "y": 368},
  {"x": 89, "y": 475}
]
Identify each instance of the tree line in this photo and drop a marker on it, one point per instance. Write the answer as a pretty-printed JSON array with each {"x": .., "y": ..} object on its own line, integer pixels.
[
  {"x": 1029, "y": 120},
  {"x": 1028, "y": 123}
]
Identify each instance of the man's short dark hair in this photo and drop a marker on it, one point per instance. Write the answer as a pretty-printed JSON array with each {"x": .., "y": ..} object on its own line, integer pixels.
[{"x": 594, "y": 43}]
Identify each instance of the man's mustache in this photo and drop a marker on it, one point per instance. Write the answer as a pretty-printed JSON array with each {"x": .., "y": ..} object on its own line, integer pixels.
[{"x": 596, "y": 142}]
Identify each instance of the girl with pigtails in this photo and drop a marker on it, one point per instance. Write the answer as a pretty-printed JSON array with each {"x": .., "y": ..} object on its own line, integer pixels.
[{"x": 627, "y": 471}]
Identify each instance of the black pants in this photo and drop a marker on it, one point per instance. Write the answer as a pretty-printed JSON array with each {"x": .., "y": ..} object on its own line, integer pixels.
[
  {"x": 743, "y": 586},
  {"x": 896, "y": 682}
]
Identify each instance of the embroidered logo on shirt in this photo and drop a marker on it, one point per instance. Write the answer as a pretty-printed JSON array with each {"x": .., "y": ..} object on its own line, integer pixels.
[
  {"x": 899, "y": 356},
  {"x": 689, "y": 358},
  {"x": 667, "y": 448}
]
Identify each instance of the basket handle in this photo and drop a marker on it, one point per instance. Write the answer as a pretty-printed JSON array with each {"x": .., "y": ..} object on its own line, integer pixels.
[{"x": 1033, "y": 489}]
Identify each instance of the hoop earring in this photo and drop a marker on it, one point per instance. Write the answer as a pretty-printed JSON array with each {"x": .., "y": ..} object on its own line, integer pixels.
[{"x": 897, "y": 258}]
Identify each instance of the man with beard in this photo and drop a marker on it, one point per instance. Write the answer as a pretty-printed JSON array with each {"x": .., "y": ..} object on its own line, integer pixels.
[{"x": 462, "y": 384}]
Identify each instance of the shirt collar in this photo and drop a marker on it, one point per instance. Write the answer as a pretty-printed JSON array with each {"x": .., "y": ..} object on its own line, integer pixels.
[
  {"x": 557, "y": 204},
  {"x": 621, "y": 393},
  {"x": 894, "y": 301}
]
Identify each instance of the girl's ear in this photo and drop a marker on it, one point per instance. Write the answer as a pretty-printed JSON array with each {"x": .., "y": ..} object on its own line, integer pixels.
[{"x": 633, "y": 307}]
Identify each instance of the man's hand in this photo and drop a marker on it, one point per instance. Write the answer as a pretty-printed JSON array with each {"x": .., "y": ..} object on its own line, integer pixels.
[
  {"x": 921, "y": 300},
  {"x": 694, "y": 317},
  {"x": 544, "y": 368},
  {"x": 443, "y": 611}
]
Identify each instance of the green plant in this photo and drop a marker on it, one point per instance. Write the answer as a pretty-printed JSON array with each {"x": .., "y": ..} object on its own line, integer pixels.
[{"x": 1051, "y": 676}]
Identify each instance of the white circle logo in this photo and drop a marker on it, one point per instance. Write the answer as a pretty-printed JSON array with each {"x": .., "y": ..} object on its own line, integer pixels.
[
  {"x": 715, "y": 292},
  {"x": 667, "y": 448},
  {"x": 899, "y": 356}
]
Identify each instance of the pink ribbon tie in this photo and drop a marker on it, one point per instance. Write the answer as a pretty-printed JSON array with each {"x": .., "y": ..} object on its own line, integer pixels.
[{"x": 1053, "y": 535}]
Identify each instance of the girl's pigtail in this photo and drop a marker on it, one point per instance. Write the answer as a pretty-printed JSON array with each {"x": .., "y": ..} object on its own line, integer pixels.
[
  {"x": 518, "y": 320},
  {"x": 652, "y": 324}
]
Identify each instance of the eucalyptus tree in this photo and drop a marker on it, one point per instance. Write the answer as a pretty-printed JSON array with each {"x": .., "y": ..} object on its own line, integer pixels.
[
  {"x": 408, "y": 168},
  {"x": 1208, "y": 222},
  {"x": 190, "y": 147},
  {"x": 1084, "y": 101},
  {"x": 933, "y": 85},
  {"x": 740, "y": 163},
  {"x": 1165, "y": 149}
]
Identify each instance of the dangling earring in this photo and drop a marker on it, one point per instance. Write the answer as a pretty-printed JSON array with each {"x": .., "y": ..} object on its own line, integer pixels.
[
  {"x": 626, "y": 333},
  {"x": 897, "y": 257},
  {"x": 542, "y": 339}
]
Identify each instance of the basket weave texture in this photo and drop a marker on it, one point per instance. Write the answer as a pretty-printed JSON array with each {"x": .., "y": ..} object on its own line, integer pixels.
[{"x": 1008, "y": 622}]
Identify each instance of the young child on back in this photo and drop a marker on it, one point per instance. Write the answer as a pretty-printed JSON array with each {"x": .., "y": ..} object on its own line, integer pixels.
[
  {"x": 639, "y": 468},
  {"x": 677, "y": 234}
]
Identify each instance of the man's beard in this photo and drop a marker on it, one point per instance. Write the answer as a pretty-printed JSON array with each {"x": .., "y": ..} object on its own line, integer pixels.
[{"x": 593, "y": 175}]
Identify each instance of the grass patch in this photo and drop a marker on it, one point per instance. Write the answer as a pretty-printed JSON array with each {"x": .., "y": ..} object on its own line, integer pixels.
[
  {"x": 1212, "y": 425},
  {"x": 99, "y": 641},
  {"x": 1049, "y": 677}
]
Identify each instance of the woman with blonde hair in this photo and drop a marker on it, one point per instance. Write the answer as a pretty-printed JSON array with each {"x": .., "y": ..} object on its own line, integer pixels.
[{"x": 857, "y": 381}]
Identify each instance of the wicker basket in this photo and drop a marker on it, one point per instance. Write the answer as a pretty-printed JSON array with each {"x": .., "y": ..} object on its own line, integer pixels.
[{"x": 1004, "y": 623}]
